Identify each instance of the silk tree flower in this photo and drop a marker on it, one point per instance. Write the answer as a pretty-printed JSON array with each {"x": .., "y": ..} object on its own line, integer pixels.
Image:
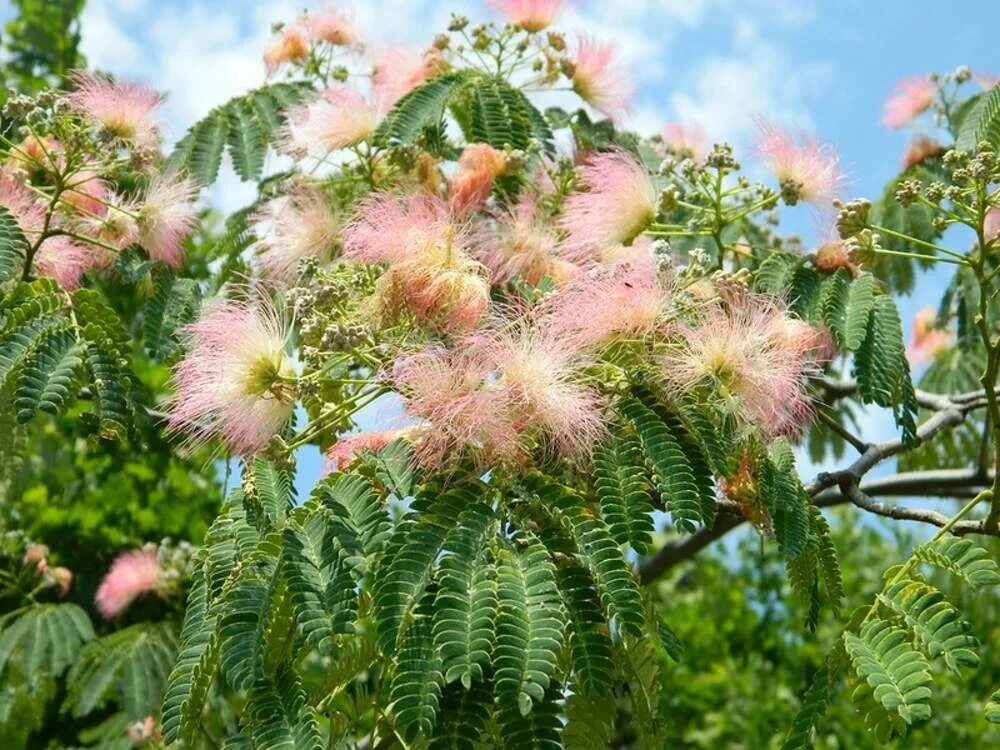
[
  {"x": 291, "y": 45},
  {"x": 28, "y": 211},
  {"x": 37, "y": 555},
  {"x": 909, "y": 99},
  {"x": 339, "y": 118},
  {"x": 291, "y": 228},
  {"x": 86, "y": 193},
  {"x": 167, "y": 216},
  {"x": 743, "y": 354},
  {"x": 598, "y": 78},
  {"x": 520, "y": 243},
  {"x": 919, "y": 149},
  {"x": 807, "y": 170},
  {"x": 833, "y": 254},
  {"x": 605, "y": 303},
  {"x": 399, "y": 70},
  {"x": 341, "y": 454},
  {"x": 388, "y": 226},
  {"x": 618, "y": 203},
  {"x": 132, "y": 574},
  {"x": 63, "y": 260},
  {"x": 926, "y": 339},
  {"x": 331, "y": 26},
  {"x": 125, "y": 110},
  {"x": 116, "y": 228},
  {"x": 472, "y": 184},
  {"x": 530, "y": 15},
  {"x": 686, "y": 138},
  {"x": 234, "y": 382},
  {"x": 141, "y": 731},
  {"x": 985, "y": 79},
  {"x": 62, "y": 579},
  {"x": 455, "y": 395},
  {"x": 991, "y": 225}
]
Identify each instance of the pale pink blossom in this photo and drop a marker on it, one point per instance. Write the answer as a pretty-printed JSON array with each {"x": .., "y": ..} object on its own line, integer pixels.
[
  {"x": 116, "y": 228},
  {"x": 478, "y": 165},
  {"x": 126, "y": 110},
  {"x": 26, "y": 208},
  {"x": 599, "y": 79},
  {"x": 926, "y": 339},
  {"x": 991, "y": 224},
  {"x": 520, "y": 243},
  {"x": 399, "y": 70},
  {"x": 236, "y": 382},
  {"x": 832, "y": 255},
  {"x": 291, "y": 228},
  {"x": 389, "y": 228},
  {"x": 919, "y": 149},
  {"x": 37, "y": 555},
  {"x": 290, "y": 45},
  {"x": 911, "y": 98},
  {"x": 342, "y": 453},
  {"x": 746, "y": 354},
  {"x": 141, "y": 731},
  {"x": 686, "y": 138},
  {"x": 86, "y": 193},
  {"x": 618, "y": 202},
  {"x": 621, "y": 300},
  {"x": 338, "y": 118},
  {"x": 331, "y": 26},
  {"x": 806, "y": 169},
  {"x": 167, "y": 216},
  {"x": 63, "y": 260},
  {"x": 530, "y": 15},
  {"x": 132, "y": 574},
  {"x": 985, "y": 79},
  {"x": 62, "y": 578}
]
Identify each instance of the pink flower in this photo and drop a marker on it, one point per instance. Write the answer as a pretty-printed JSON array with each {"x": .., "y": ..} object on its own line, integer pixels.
[
  {"x": 140, "y": 731},
  {"x": 132, "y": 574},
  {"x": 87, "y": 193},
  {"x": 618, "y": 203},
  {"x": 389, "y": 227},
  {"x": 749, "y": 356},
  {"x": 37, "y": 555},
  {"x": 291, "y": 228},
  {"x": 63, "y": 260},
  {"x": 399, "y": 70},
  {"x": 530, "y": 15},
  {"x": 521, "y": 244},
  {"x": 806, "y": 169},
  {"x": 235, "y": 382},
  {"x": 911, "y": 98},
  {"x": 598, "y": 79},
  {"x": 991, "y": 224},
  {"x": 927, "y": 340},
  {"x": 605, "y": 303},
  {"x": 686, "y": 138},
  {"x": 919, "y": 150},
  {"x": 23, "y": 205},
  {"x": 342, "y": 453},
  {"x": 167, "y": 216},
  {"x": 124, "y": 109},
  {"x": 985, "y": 80},
  {"x": 117, "y": 226},
  {"x": 290, "y": 45},
  {"x": 832, "y": 255},
  {"x": 340, "y": 117},
  {"x": 331, "y": 26},
  {"x": 62, "y": 578},
  {"x": 472, "y": 184}
]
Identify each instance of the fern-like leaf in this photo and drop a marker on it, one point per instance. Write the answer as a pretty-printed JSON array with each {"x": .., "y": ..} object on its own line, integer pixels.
[
  {"x": 622, "y": 490},
  {"x": 961, "y": 557}
]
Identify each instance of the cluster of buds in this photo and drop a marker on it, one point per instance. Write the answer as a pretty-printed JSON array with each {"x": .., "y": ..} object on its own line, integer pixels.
[
  {"x": 36, "y": 557},
  {"x": 852, "y": 216}
]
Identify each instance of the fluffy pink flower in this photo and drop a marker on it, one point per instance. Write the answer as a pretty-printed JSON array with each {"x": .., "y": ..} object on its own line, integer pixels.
[
  {"x": 399, "y": 70},
  {"x": 910, "y": 99},
  {"x": 62, "y": 578},
  {"x": 806, "y": 169},
  {"x": 342, "y": 453},
  {"x": 340, "y": 117},
  {"x": 291, "y": 228},
  {"x": 832, "y": 255},
  {"x": 87, "y": 193},
  {"x": 124, "y": 109},
  {"x": 37, "y": 555},
  {"x": 919, "y": 149},
  {"x": 117, "y": 227},
  {"x": 140, "y": 731},
  {"x": 598, "y": 78},
  {"x": 750, "y": 357},
  {"x": 618, "y": 203},
  {"x": 234, "y": 382},
  {"x": 132, "y": 574},
  {"x": 926, "y": 339},
  {"x": 530, "y": 15},
  {"x": 604, "y": 303},
  {"x": 472, "y": 184},
  {"x": 521, "y": 244},
  {"x": 985, "y": 79},
  {"x": 686, "y": 138},
  {"x": 389, "y": 228},
  {"x": 63, "y": 260},
  {"x": 290, "y": 45},
  {"x": 167, "y": 216},
  {"x": 24, "y": 206},
  {"x": 331, "y": 26},
  {"x": 991, "y": 225}
]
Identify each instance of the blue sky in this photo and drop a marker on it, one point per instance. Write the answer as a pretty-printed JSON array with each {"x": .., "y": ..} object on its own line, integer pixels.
[{"x": 823, "y": 67}]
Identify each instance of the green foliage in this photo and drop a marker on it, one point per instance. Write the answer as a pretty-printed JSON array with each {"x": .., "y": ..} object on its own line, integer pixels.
[
  {"x": 43, "y": 641},
  {"x": 41, "y": 44},
  {"x": 245, "y": 126},
  {"x": 502, "y": 115},
  {"x": 13, "y": 246},
  {"x": 981, "y": 122},
  {"x": 422, "y": 108},
  {"x": 622, "y": 490}
]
